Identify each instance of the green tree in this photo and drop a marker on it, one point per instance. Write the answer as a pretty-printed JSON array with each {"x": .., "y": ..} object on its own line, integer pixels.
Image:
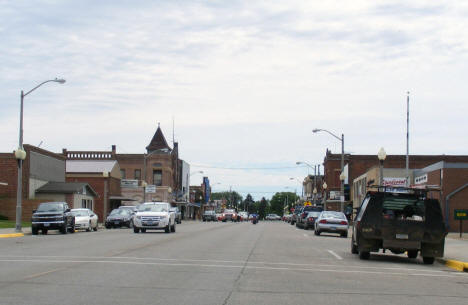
[
  {"x": 233, "y": 199},
  {"x": 262, "y": 209},
  {"x": 248, "y": 202},
  {"x": 280, "y": 200}
]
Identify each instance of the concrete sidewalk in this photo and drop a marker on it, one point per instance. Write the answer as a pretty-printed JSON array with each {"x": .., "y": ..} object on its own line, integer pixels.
[{"x": 456, "y": 252}]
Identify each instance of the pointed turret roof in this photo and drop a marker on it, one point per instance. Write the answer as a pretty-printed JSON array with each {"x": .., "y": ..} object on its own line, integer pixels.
[{"x": 158, "y": 142}]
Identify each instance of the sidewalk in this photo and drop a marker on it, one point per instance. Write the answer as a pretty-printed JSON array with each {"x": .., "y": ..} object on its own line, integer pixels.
[
  {"x": 10, "y": 232},
  {"x": 456, "y": 252}
]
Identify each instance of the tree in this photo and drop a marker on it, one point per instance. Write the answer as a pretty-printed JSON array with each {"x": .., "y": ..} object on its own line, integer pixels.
[
  {"x": 280, "y": 200},
  {"x": 233, "y": 198},
  {"x": 262, "y": 209},
  {"x": 248, "y": 203}
]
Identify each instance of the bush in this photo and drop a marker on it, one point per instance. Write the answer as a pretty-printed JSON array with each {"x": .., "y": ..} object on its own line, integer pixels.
[{"x": 3, "y": 217}]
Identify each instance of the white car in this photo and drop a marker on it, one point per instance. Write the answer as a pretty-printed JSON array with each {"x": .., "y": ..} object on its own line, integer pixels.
[
  {"x": 85, "y": 219},
  {"x": 154, "y": 216}
]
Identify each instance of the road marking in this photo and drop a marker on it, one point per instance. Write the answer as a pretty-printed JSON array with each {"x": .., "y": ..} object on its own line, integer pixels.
[
  {"x": 11, "y": 235},
  {"x": 42, "y": 273},
  {"x": 339, "y": 270},
  {"x": 334, "y": 254}
]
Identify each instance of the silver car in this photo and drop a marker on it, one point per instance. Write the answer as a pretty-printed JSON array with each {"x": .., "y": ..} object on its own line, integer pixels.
[{"x": 332, "y": 222}]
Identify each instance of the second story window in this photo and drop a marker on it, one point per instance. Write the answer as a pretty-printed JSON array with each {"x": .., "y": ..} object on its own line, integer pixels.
[
  {"x": 138, "y": 174},
  {"x": 157, "y": 177},
  {"x": 122, "y": 174}
]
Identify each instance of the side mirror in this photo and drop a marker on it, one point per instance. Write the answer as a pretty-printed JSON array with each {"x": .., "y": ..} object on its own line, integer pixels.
[
  {"x": 34, "y": 211},
  {"x": 67, "y": 211}
]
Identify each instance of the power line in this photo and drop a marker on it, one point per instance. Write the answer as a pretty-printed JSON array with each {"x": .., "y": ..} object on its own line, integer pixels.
[{"x": 245, "y": 168}]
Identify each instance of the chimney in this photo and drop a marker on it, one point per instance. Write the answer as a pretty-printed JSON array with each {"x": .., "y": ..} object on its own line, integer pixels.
[
  {"x": 64, "y": 152},
  {"x": 113, "y": 149}
]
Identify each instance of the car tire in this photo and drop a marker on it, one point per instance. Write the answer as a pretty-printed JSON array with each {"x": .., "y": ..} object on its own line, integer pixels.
[
  {"x": 412, "y": 253},
  {"x": 344, "y": 234},
  {"x": 143, "y": 230},
  {"x": 306, "y": 227},
  {"x": 168, "y": 228},
  {"x": 354, "y": 248},
  {"x": 365, "y": 255},
  {"x": 44, "y": 231},
  {"x": 428, "y": 260},
  {"x": 95, "y": 228},
  {"x": 108, "y": 226},
  {"x": 130, "y": 224},
  {"x": 63, "y": 229},
  {"x": 317, "y": 232},
  {"x": 173, "y": 228},
  {"x": 72, "y": 228},
  {"x": 34, "y": 231},
  {"x": 136, "y": 230},
  {"x": 89, "y": 229}
]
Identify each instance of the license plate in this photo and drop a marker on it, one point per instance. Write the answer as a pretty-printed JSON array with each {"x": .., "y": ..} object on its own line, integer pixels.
[
  {"x": 116, "y": 222},
  {"x": 333, "y": 228},
  {"x": 150, "y": 223},
  {"x": 401, "y": 236},
  {"x": 46, "y": 224}
]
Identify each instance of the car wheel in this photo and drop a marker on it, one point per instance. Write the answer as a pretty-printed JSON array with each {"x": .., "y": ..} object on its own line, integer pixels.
[
  {"x": 89, "y": 229},
  {"x": 130, "y": 224},
  {"x": 354, "y": 248},
  {"x": 143, "y": 230},
  {"x": 44, "y": 231},
  {"x": 317, "y": 232},
  {"x": 72, "y": 228},
  {"x": 428, "y": 260},
  {"x": 108, "y": 226},
  {"x": 344, "y": 234},
  {"x": 173, "y": 228},
  {"x": 34, "y": 231},
  {"x": 364, "y": 254},
  {"x": 168, "y": 228},
  {"x": 95, "y": 228},
  {"x": 412, "y": 253},
  {"x": 306, "y": 227},
  {"x": 136, "y": 230},
  {"x": 63, "y": 229}
]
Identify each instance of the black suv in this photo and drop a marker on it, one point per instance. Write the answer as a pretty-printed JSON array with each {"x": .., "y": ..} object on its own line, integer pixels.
[
  {"x": 401, "y": 220},
  {"x": 301, "y": 220},
  {"x": 52, "y": 216}
]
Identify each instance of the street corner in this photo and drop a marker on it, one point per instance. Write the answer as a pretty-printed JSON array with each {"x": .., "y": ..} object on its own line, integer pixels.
[
  {"x": 454, "y": 264},
  {"x": 9, "y": 235}
]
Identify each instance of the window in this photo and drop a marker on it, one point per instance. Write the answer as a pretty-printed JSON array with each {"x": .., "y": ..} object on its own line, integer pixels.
[
  {"x": 122, "y": 174},
  {"x": 87, "y": 204},
  {"x": 157, "y": 177},
  {"x": 138, "y": 174}
]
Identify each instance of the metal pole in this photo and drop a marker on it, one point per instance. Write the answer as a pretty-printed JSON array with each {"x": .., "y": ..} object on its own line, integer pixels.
[
  {"x": 144, "y": 175},
  {"x": 381, "y": 173},
  {"x": 342, "y": 169},
  {"x": 407, "y": 140},
  {"x": 315, "y": 185},
  {"x": 19, "y": 188}
]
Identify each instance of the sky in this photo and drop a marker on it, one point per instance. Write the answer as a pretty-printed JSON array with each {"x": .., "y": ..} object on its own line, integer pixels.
[{"x": 244, "y": 82}]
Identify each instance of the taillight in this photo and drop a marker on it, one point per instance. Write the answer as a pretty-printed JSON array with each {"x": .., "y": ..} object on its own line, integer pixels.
[
  {"x": 311, "y": 218},
  {"x": 323, "y": 221},
  {"x": 343, "y": 222}
]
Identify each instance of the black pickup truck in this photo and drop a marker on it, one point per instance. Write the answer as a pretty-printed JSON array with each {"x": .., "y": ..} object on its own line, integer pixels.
[
  {"x": 401, "y": 220},
  {"x": 52, "y": 216}
]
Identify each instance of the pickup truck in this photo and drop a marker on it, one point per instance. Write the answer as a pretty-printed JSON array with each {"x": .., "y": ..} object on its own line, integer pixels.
[{"x": 52, "y": 216}]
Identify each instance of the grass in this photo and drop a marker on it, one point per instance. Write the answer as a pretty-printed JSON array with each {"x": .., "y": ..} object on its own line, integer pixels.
[{"x": 12, "y": 224}]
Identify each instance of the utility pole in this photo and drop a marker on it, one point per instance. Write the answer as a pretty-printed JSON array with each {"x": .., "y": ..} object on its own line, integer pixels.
[{"x": 407, "y": 139}]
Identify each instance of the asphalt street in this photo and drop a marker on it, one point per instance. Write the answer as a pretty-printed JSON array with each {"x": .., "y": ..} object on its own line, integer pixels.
[{"x": 215, "y": 263}]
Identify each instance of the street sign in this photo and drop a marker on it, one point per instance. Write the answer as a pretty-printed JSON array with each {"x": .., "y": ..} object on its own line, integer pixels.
[
  {"x": 151, "y": 188},
  {"x": 129, "y": 183},
  {"x": 460, "y": 214},
  {"x": 307, "y": 203}
]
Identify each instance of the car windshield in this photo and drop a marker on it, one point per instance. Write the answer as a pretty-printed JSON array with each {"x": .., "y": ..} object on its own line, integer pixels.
[
  {"x": 209, "y": 212},
  {"x": 333, "y": 215},
  {"x": 152, "y": 208},
  {"x": 50, "y": 207},
  {"x": 313, "y": 214},
  {"x": 79, "y": 213},
  {"x": 229, "y": 211},
  {"x": 119, "y": 212}
]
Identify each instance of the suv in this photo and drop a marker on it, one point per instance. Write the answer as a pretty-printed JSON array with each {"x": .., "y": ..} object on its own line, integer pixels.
[
  {"x": 209, "y": 216},
  {"x": 178, "y": 214},
  {"x": 154, "y": 216},
  {"x": 301, "y": 219},
  {"x": 52, "y": 216},
  {"x": 229, "y": 214},
  {"x": 402, "y": 220}
]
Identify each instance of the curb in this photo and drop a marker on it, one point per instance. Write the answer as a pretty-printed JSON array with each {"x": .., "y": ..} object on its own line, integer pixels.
[
  {"x": 456, "y": 265},
  {"x": 11, "y": 235}
]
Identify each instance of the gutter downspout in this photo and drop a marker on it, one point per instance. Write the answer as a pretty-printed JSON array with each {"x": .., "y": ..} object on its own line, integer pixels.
[{"x": 447, "y": 199}]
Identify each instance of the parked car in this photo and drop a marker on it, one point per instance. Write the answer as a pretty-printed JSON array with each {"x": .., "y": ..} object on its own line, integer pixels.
[
  {"x": 332, "y": 222},
  {"x": 297, "y": 211},
  {"x": 154, "y": 216},
  {"x": 52, "y": 216},
  {"x": 301, "y": 218},
  {"x": 219, "y": 216},
  {"x": 229, "y": 214},
  {"x": 310, "y": 220},
  {"x": 272, "y": 217},
  {"x": 244, "y": 216},
  {"x": 209, "y": 216},
  {"x": 178, "y": 214},
  {"x": 401, "y": 220},
  {"x": 132, "y": 208},
  {"x": 119, "y": 218},
  {"x": 85, "y": 219}
]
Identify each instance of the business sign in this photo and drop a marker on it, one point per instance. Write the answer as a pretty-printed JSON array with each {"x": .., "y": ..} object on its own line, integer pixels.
[
  {"x": 129, "y": 183},
  {"x": 420, "y": 179},
  {"x": 335, "y": 195},
  {"x": 206, "y": 183},
  {"x": 150, "y": 188},
  {"x": 394, "y": 181},
  {"x": 460, "y": 214}
]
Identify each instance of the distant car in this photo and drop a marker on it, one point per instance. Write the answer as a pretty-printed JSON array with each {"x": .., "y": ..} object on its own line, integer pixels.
[
  {"x": 244, "y": 216},
  {"x": 119, "y": 218},
  {"x": 219, "y": 216},
  {"x": 297, "y": 211},
  {"x": 310, "y": 220},
  {"x": 332, "y": 222},
  {"x": 209, "y": 216},
  {"x": 154, "y": 216},
  {"x": 272, "y": 217},
  {"x": 229, "y": 214},
  {"x": 301, "y": 218},
  {"x": 132, "y": 208},
  {"x": 85, "y": 219},
  {"x": 52, "y": 216},
  {"x": 178, "y": 214}
]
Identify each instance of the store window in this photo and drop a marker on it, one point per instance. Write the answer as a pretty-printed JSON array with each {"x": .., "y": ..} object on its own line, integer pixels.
[
  {"x": 157, "y": 177},
  {"x": 87, "y": 204},
  {"x": 138, "y": 174},
  {"x": 122, "y": 174}
]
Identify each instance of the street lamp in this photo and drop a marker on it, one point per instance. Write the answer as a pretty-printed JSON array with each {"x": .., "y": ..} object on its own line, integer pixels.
[
  {"x": 324, "y": 187},
  {"x": 20, "y": 154},
  {"x": 342, "y": 158},
  {"x": 313, "y": 167},
  {"x": 315, "y": 195},
  {"x": 382, "y": 155}
]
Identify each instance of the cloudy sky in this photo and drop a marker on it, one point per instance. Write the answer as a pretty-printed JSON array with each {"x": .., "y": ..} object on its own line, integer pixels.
[{"x": 244, "y": 81}]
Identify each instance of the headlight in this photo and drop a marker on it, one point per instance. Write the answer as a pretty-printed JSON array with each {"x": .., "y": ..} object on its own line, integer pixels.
[
  {"x": 163, "y": 217},
  {"x": 138, "y": 217}
]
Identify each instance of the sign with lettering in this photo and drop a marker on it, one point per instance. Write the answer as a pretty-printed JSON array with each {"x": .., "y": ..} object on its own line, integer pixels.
[
  {"x": 150, "y": 188},
  {"x": 129, "y": 183},
  {"x": 387, "y": 181},
  {"x": 460, "y": 214},
  {"x": 420, "y": 179}
]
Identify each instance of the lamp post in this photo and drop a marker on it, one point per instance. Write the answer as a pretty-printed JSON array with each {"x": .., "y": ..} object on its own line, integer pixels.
[
  {"x": 315, "y": 195},
  {"x": 381, "y": 155},
  {"x": 342, "y": 179},
  {"x": 342, "y": 158},
  {"x": 20, "y": 154},
  {"x": 324, "y": 186},
  {"x": 314, "y": 167},
  {"x": 302, "y": 185}
]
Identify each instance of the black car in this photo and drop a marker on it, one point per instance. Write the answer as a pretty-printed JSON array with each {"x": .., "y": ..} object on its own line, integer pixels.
[
  {"x": 309, "y": 221},
  {"x": 401, "y": 220},
  {"x": 52, "y": 216},
  {"x": 209, "y": 216},
  {"x": 119, "y": 218},
  {"x": 301, "y": 218}
]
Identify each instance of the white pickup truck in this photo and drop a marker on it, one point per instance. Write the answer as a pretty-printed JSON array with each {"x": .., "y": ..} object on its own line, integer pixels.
[{"x": 154, "y": 216}]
